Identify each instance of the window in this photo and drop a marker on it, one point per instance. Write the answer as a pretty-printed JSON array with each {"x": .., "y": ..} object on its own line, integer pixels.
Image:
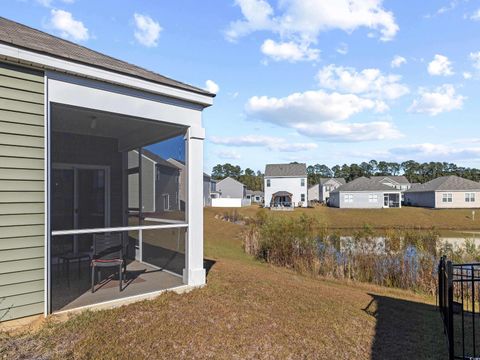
[
  {"x": 348, "y": 198},
  {"x": 447, "y": 198},
  {"x": 372, "y": 198},
  {"x": 268, "y": 182},
  {"x": 302, "y": 183},
  {"x": 469, "y": 197},
  {"x": 302, "y": 197}
]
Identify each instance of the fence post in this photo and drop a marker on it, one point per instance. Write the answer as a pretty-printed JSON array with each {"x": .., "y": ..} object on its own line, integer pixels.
[{"x": 451, "y": 349}]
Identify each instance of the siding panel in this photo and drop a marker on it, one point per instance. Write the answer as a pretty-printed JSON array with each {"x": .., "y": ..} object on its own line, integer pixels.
[{"x": 22, "y": 227}]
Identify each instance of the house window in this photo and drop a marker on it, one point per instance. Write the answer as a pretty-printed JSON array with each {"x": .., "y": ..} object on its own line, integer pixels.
[
  {"x": 348, "y": 198},
  {"x": 372, "y": 198},
  {"x": 302, "y": 197},
  {"x": 268, "y": 182},
  {"x": 302, "y": 182},
  {"x": 469, "y": 197},
  {"x": 166, "y": 202},
  {"x": 447, "y": 198}
]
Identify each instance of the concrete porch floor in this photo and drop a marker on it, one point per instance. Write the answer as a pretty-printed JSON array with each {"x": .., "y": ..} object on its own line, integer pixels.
[{"x": 141, "y": 279}]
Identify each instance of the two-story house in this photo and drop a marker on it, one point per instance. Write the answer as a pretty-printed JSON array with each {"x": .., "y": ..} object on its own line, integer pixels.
[{"x": 286, "y": 185}]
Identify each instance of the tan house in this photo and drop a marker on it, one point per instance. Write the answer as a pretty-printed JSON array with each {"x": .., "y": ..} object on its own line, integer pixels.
[{"x": 445, "y": 192}]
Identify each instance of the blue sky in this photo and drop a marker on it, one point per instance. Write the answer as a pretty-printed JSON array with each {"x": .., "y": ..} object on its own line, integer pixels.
[{"x": 311, "y": 81}]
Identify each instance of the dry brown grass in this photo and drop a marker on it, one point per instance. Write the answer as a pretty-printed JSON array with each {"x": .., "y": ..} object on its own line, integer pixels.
[
  {"x": 406, "y": 217},
  {"x": 248, "y": 310}
]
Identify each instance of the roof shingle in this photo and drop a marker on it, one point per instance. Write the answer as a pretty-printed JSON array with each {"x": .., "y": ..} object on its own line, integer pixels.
[
  {"x": 19, "y": 35},
  {"x": 446, "y": 183},
  {"x": 293, "y": 169}
]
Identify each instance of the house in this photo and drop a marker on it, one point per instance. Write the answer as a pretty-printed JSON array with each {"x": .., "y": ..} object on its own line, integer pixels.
[
  {"x": 365, "y": 193},
  {"x": 160, "y": 183},
  {"x": 399, "y": 182},
  {"x": 69, "y": 118},
  {"x": 180, "y": 165},
  {"x": 445, "y": 192},
  {"x": 285, "y": 185},
  {"x": 321, "y": 191},
  {"x": 231, "y": 188},
  {"x": 255, "y": 196}
]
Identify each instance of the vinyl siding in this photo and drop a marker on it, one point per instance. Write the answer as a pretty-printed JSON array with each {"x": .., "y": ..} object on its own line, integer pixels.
[{"x": 22, "y": 227}]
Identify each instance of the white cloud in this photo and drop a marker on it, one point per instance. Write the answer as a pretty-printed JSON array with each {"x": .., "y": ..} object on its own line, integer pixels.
[
  {"x": 370, "y": 82},
  {"x": 467, "y": 75},
  {"x": 147, "y": 30},
  {"x": 270, "y": 142},
  {"x": 342, "y": 49},
  {"x": 289, "y": 51},
  {"x": 442, "y": 99},
  {"x": 398, "y": 61},
  {"x": 475, "y": 57},
  {"x": 68, "y": 27},
  {"x": 441, "y": 152},
  {"x": 476, "y": 15},
  {"x": 228, "y": 155},
  {"x": 321, "y": 114},
  {"x": 212, "y": 86},
  {"x": 351, "y": 132},
  {"x": 301, "y": 21},
  {"x": 440, "y": 66}
]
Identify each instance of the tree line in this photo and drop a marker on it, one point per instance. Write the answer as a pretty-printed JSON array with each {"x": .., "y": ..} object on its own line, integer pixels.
[
  {"x": 414, "y": 171},
  {"x": 253, "y": 180}
]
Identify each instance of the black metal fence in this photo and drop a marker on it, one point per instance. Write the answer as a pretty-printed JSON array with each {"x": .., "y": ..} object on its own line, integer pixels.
[{"x": 459, "y": 305}]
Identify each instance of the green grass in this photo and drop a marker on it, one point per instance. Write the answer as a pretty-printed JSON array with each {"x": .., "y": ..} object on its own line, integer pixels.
[
  {"x": 405, "y": 217},
  {"x": 247, "y": 310}
]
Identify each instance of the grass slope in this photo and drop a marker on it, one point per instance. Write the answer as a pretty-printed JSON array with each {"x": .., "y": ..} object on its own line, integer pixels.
[
  {"x": 411, "y": 217},
  {"x": 248, "y": 310}
]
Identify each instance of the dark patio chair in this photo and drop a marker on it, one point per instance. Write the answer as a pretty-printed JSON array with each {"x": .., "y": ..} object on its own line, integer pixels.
[{"x": 108, "y": 252}]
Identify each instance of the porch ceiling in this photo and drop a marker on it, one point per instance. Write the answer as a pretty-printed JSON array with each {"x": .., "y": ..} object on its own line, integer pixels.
[{"x": 131, "y": 132}]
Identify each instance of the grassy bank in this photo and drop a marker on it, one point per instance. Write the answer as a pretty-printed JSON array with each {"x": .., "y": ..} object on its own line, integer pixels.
[
  {"x": 248, "y": 310},
  {"x": 406, "y": 217}
]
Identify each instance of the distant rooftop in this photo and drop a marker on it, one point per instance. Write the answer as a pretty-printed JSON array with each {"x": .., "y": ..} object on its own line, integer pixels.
[
  {"x": 340, "y": 180},
  {"x": 294, "y": 169},
  {"x": 364, "y": 184},
  {"x": 447, "y": 183},
  {"x": 397, "y": 178},
  {"x": 13, "y": 33}
]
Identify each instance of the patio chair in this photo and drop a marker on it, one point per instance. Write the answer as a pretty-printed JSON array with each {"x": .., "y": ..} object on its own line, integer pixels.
[{"x": 108, "y": 252}]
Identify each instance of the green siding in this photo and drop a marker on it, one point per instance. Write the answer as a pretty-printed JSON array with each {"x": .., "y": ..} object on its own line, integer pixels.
[{"x": 22, "y": 228}]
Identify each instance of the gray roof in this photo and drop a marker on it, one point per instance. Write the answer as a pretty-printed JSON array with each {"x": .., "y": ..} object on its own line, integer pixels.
[
  {"x": 294, "y": 169},
  {"x": 18, "y": 35},
  {"x": 447, "y": 183},
  {"x": 158, "y": 159},
  {"x": 398, "y": 178},
  {"x": 228, "y": 177},
  {"x": 365, "y": 184},
  {"x": 254, "y": 192},
  {"x": 340, "y": 180}
]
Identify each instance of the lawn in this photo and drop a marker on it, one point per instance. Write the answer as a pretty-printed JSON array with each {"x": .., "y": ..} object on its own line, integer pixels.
[
  {"x": 405, "y": 217},
  {"x": 247, "y": 310}
]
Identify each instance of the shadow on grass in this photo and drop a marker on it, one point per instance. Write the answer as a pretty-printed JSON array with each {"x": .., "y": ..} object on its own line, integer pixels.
[{"x": 406, "y": 329}]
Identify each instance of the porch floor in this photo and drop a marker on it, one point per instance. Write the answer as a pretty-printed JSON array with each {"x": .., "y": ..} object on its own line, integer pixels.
[{"x": 141, "y": 279}]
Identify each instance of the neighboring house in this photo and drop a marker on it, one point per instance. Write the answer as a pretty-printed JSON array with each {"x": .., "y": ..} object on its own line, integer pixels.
[
  {"x": 365, "y": 193},
  {"x": 183, "y": 181},
  {"x": 445, "y": 192},
  {"x": 231, "y": 188},
  {"x": 285, "y": 185},
  {"x": 69, "y": 116},
  {"x": 399, "y": 182},
  {"x": 321, "y": 191},
  {"x": 160, "y": 180},
  {"x": 255, "y": 196}
]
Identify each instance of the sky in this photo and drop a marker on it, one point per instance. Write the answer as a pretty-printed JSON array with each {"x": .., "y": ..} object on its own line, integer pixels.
[{"x": 315, "y": 81}]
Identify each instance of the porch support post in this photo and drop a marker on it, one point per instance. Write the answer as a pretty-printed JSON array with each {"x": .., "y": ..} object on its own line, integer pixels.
[{"x": 194, "y": 272}]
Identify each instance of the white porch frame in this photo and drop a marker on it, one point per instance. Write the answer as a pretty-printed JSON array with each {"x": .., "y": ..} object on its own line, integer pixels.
[{"x": 91, "y": 94}]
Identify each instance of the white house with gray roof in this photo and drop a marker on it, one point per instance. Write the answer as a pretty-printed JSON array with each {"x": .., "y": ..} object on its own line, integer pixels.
[
  {"x": 445, "y": 192},
  {"x": 365, "y": 193},
  {"x": 321, "y": 191},
  {"x": 286, "y": 185}
]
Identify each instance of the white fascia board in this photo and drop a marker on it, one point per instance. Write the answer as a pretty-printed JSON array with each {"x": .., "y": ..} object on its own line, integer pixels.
[{"x": 12, "y": 53}]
